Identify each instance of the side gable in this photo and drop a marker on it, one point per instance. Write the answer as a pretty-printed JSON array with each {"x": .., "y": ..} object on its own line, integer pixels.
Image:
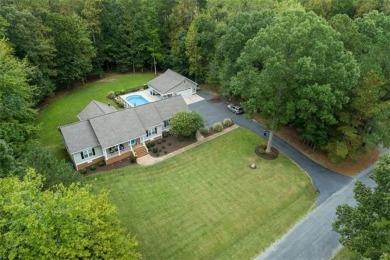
[
  {"x": 115, "y": 128},
  {"x": 171, "y": 81},
  {"x": 94, "y": 109},
  {"x": 78, "y": 136}
]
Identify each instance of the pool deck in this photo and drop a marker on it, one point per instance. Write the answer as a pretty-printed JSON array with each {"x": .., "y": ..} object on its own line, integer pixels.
[{"x": 144, "y": 93}]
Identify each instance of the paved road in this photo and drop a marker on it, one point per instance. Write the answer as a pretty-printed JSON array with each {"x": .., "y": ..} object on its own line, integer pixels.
[
  {"x": 313, "y": 237},
  {"x": 326, "y": 181}
]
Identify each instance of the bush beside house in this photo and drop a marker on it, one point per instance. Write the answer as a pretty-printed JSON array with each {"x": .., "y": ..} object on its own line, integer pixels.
[{"x": 185, "y": 124}]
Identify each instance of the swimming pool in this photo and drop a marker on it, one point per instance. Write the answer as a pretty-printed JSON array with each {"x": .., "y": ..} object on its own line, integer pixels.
[{"x": 136, "y": 100}]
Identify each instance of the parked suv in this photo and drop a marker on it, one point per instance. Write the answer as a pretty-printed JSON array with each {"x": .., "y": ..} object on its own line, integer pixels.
[{"x": 235, "y": 109}]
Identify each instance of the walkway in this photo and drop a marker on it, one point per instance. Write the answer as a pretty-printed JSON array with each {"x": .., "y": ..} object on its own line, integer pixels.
[{"x": 150, "y": 160}]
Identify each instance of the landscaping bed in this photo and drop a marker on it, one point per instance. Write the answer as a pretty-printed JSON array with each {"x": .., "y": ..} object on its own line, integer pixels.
[{"x": 168, "y": 145}]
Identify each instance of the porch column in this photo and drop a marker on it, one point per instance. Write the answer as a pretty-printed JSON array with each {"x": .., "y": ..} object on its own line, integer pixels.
[
  {"x": 105, "y": 154},
  {"x": 119, "y": 150}
]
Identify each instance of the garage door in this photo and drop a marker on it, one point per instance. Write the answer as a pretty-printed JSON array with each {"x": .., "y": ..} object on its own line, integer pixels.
[{"x": 185, "y": 93}]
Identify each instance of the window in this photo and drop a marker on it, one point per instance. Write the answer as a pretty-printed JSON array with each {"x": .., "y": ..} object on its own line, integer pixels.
[
  {"x": 87, "y": 153},
  {"x": 166, "y": 122},
  {"x": 151, "y": 131}
]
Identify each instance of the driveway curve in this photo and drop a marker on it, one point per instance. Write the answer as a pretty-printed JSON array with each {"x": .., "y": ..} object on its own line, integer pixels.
[{"x": 326, "y": 182}]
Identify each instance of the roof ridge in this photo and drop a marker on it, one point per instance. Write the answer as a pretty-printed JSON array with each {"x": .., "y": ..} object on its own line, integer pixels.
[{"x": 98, "y": 105}]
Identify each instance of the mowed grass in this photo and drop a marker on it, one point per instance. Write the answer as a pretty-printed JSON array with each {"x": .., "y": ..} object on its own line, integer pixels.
[
  {"x": 207, "y": 203},
  {"x": 64, "y": 108}
]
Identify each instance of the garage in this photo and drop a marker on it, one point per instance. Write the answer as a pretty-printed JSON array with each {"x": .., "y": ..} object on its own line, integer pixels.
[{"x": 185, "y": 92}]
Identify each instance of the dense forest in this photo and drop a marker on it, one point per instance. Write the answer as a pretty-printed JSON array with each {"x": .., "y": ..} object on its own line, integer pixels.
[{"x": 320, "y": 66}]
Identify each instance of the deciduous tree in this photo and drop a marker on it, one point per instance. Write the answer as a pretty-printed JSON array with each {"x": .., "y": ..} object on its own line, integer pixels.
[
  {"x": 296, "y": 71},
  {"x": 63, "y": 223},
  {"x": 365, "y": 228},
  {"x": 17, "y": 118}
]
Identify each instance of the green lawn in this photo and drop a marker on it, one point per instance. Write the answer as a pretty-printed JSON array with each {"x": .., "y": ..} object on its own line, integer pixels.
[
  {"x": 346, "y": 254},
  {"x": 64, "y": 109},
  {"x": 207, "y": 202}
]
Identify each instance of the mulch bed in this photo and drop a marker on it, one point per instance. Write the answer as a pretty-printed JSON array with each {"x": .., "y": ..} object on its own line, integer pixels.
[
  {"x": 267, "y": 156},
  {"x": 169, "y": 144}
]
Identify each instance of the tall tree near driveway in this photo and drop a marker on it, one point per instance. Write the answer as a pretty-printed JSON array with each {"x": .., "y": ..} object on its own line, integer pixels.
[{"x": 296, "y": 71}]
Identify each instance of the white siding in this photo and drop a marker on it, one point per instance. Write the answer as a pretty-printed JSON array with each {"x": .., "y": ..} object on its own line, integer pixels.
[
  {"x": 159, "y": 133},
  {"x": 78, "y": 160}
]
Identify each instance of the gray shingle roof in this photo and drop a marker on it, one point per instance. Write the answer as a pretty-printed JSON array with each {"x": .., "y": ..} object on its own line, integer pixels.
[
  {"x": 168, "y": 107},
  {"x": 79, "y": 136},
  {"x": 148, "y": 115},
  {"x": 120, "y": 126},
  {"x": 171, "y": 81},
  {"x": 94, "y": 109}
]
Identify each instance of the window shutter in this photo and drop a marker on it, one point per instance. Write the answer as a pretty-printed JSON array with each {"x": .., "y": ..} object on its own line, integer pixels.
[
  {"x": 82, "y": 155},
  {"x": 93, "y": 151}
]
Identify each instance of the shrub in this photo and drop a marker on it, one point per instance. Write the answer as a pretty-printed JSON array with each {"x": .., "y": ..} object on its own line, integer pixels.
[
  {"x": 227, "y": 122},
  {"x": 218, "y": 127},
  {"x": 159, "y": 141},
  {"x": 204, "y": 130},
  {"x": 92, "y": 167},
  {"x": 102, "y": 163},
  {"x": 155, "y": 149},
  {"x": 165, "y": 134},
  {"x": 150, "y": 145},
  {"x": 165, "y": 152},
  {"x": 185, "y": 124},
  {"x": 133, "y": 159},
  {"x": 83, "y": 171},
  {"x": 120, "y": 103},
  {"x": 111, "y": 95},
  {"x": 145, "y": 86},
  {"x": 163, "y": 140}
]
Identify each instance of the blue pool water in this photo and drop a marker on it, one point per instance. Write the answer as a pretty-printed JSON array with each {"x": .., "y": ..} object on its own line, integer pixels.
[{"x": 136, "y": 100}]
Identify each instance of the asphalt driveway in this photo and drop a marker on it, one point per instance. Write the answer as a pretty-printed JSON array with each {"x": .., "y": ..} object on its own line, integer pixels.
[{"x": 326, "y": 181}]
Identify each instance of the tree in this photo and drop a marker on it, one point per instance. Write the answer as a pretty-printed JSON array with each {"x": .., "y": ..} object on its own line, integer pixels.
[
  {"x": 240, "y": 29},
  {"x": 152, "y": 29},
  {"x": 53, "y": 171},
  {"x": 17, "y": 118},
  {"x": 185, "y": 124},
  {"x": 28, "y": 35},
  {"x": 365, "y": 228},
  {"x": 200, "y": 45},
  {"x": 296, "y": 71},
  {"x": 364, "y": 120},
  {"x": 74, "y": 48},
  {"x": 179, "y": 20},
  {"x": 63, "y": 223}
]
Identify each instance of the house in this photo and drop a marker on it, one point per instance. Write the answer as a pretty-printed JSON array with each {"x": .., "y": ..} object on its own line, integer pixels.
[
  {"x": 172, "y": 84},
  {"x": 104, "y": 134}
]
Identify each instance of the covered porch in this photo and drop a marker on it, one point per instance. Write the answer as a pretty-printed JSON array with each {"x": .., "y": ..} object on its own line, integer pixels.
[{"x": 118, "y": 152}]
